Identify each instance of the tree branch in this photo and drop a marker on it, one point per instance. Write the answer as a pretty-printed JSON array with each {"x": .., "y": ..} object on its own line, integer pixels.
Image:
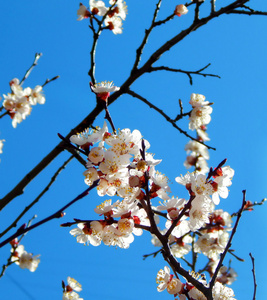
[
  {"x": 254, "y": 276},
  {"x": 212, "y": 282},
  {"x": 139, "y": 50},
  {"x": 58, "y": 214},
  {"x": 14, "y": 224},
  {"x": 28, "y": 72},
  {"x": 130, "y": 92},
  {"x": 188, "y": 73},
  {"x": 18, "y": 189}
]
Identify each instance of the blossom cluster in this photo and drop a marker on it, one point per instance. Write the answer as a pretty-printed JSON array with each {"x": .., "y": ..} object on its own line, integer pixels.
[
  {"x": 19, "y": 102},
  {"x": 113, "y": 15},
  {"x": 121, "y": 165},
  {"x": 115, "y": 160},
  {"x": 174, "y": 286},
  {"x": 200, "y": 114},
  {"x": 69, "y": 290},
  {"x": 197, "y": 153},
  {"x": 199, "y": 215},
  {"x": 22, "y": 258},
  {"x": 112, "y": 232}
]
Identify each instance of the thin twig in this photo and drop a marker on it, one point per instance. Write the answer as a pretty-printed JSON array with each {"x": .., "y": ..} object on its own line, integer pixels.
[
  {"x": 28, "y": 72},
  {"x": 140, "y": 49},
  {"x": 182, "y": 213},
  {"x": 14, "y": 224},
  {"x": 4, "y": 114},
  {"x": 9, "y": 262},
  {"x": 212, "y": 2},
  {"x": 58, "y": 214},
  {"x": 108, "y": 117},
  {"x": 250, "y": 13},
  {"x": 132, "y": 93},
  {"x": 96, "y": 35},
  {"x": 188, "y": 73},
  {"x": 213, "y": 279},
  {"x": 50, "y": 80},
  {"x": 254, "y": 276}
]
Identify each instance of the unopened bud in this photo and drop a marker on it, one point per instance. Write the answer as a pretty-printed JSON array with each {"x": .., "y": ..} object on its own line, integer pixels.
[{"x": 180, "y": 10}]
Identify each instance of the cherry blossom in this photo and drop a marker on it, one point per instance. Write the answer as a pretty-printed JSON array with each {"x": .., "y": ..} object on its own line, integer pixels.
[
  {"x": 88, "y": 233},
  {"x": 166, "y": 281},
  {"x": 83, "y": 12},
  {"x": 98, "y": 7},
  {"x": 19, "y": 102},
  {"x": 24, "y": 259},
  {"x": 68, "y": 292}
]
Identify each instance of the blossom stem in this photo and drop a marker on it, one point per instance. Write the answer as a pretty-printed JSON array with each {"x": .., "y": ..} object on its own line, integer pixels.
[
  {"x": 212, "y": 2},
  {"x": 4, "y": 114},
  {"x": 108, "y": 117}
]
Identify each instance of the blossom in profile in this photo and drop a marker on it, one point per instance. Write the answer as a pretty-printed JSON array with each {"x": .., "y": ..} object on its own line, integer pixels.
[
  {"x": 180, "y": 10},
  {"x": 103, "y": 89},
  {"x": 24, "y": 259},
  {"x": 89, "y": 136},
  {"x": 69, "y": 291},
  {"x": 83, "y": 12}
]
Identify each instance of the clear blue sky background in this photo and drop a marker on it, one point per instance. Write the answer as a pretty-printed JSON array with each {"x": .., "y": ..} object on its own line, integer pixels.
[{"x": 236, "y": 48}]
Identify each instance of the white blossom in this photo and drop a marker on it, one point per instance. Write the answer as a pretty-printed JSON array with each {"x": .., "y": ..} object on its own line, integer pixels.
[
  {"x": 68, "y": 293},
  {"x": 24, "y": 259}
]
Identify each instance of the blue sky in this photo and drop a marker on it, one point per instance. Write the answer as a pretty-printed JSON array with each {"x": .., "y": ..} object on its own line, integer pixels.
[{"x": 236, "y": 48}]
